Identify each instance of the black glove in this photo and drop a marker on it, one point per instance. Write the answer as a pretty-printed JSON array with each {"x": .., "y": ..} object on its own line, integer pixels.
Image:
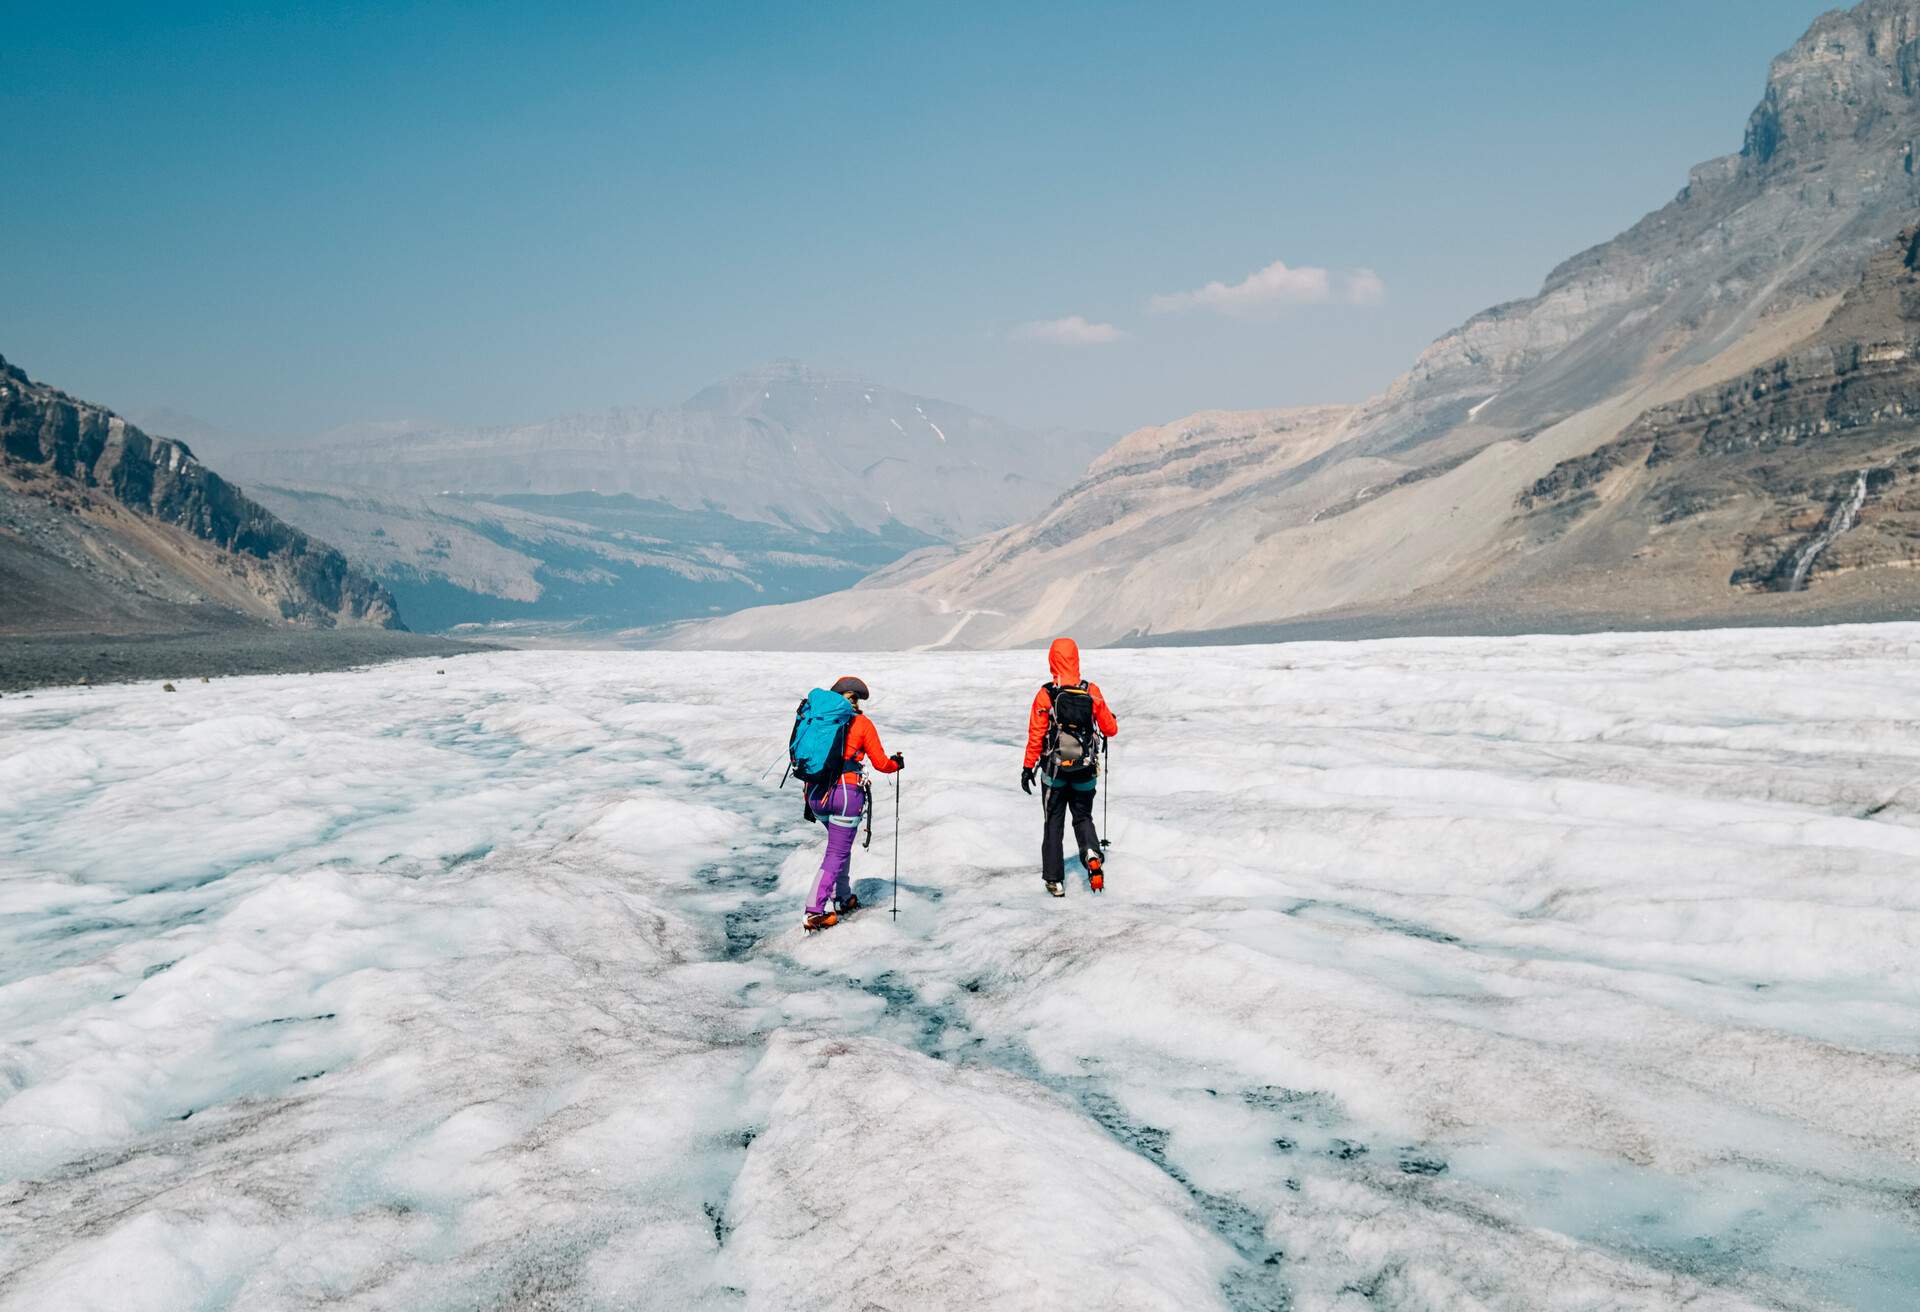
[
  {"x": 899, "y": 760},
  {"x": 806, "y": 806},
  {"x": 1026, "y": 780}
]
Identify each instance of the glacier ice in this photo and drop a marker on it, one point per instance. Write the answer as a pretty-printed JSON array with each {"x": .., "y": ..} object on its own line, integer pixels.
[{"x": 1519, "y": 973}]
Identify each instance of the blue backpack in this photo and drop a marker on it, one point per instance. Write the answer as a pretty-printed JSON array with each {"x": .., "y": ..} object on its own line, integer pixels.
[{"x": 817, "y": 748}]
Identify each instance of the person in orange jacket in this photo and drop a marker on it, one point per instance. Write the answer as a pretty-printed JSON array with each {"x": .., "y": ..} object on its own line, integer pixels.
[
  {"x": 1065, "y": 726},
  {"x": 840, "y": 805}
]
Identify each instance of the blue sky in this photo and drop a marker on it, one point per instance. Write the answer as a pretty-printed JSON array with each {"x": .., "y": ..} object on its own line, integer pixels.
[{"x": 287, "y": 221}]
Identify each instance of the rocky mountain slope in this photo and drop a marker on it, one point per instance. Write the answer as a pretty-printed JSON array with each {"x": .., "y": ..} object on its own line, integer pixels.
[
  {"x": 1808, "y": 467},
  {"x": 1421, "y": 500},
  {"x": 1823, "y": 178},
  {"x": 785, "y": 444},
  {"x": 106, "y": 529}
]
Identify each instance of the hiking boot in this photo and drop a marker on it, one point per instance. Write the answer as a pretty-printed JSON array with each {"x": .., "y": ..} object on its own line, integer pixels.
[
  {"x": 851, "y": 905},
  {"x": 1096, "y": 879},
  {"x": 1056, "y": 888},
  {"x": 817, "y": 921}
]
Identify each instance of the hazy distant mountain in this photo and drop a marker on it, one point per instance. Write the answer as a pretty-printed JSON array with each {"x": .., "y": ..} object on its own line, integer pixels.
[
  {"x": 1604, "y": 451},
  {"x": 105, "y": 529},
  {"x": 581, "y": 561},
  {"x": 784, "y": 444}
]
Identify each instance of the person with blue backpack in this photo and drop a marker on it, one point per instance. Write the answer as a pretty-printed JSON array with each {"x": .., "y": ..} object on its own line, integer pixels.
[{"x": 832, "y": 741}]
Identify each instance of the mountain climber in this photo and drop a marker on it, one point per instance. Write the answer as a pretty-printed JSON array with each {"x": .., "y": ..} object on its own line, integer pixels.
[
  {"x": 841, "y": 801},
  {"x": 1064, "y": 732}
]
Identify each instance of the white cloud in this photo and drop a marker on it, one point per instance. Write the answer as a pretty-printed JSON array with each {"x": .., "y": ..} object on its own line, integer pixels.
[
  {"x": 1073, "y": 330},
  {"x": 1364, "y": 287},
  {"x": 1276, "y": 285}
]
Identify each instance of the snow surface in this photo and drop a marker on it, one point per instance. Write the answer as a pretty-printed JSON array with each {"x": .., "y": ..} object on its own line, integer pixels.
[{"x": 1569, "y": 973}]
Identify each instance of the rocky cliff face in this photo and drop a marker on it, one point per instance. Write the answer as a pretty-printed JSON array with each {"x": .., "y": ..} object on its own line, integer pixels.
[
  {"x": 1824, "y": 177},
  {"x": 99, "y": 519},
  {"x": 785, "y": 444},
  {"x": 1817, "y": 451}
]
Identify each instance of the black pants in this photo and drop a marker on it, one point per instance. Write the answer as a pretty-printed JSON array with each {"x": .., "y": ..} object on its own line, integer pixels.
[{"x": 1059, "y": 802}]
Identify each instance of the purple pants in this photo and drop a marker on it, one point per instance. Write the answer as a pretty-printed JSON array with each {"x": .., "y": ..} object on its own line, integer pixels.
[{"x": 839, "y": 810}]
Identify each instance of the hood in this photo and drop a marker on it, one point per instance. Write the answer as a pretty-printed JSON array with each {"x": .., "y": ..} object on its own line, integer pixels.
[{"x": 1063, "y": 658}]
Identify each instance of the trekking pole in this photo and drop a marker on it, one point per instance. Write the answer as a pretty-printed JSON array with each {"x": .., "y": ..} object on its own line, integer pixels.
[
  {"x": 896, "y": 846},
  {"x": 1106, "y": 795}
]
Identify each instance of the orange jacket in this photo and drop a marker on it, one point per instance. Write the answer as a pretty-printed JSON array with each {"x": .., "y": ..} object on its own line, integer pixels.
[
  {"x": 863, "y": 744},
  {"x": 1063, "y": 658}
]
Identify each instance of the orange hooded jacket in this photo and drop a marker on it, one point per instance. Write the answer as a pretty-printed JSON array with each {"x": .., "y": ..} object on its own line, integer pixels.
[
  {"x": 863, "y": 745},
  {"x": 1063, "y": 658}
]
